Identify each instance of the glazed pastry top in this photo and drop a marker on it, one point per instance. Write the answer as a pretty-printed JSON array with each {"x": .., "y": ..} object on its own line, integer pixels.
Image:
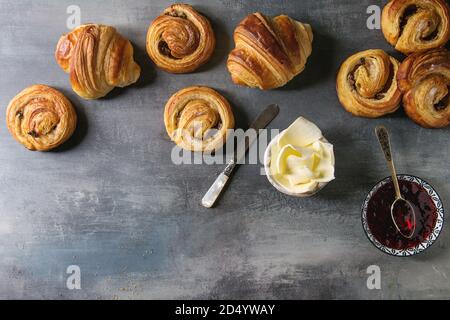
[
  {"x": 367, "y": 84},
  {"x": 198, "y": 119},
  {"x": 41, "y": 118},
  {"x": 416, "y": 25},
  {"x": 269, "y": 51},
  {"x": 98, "y": 59},
  {"x": 424, "y": 79},
  {"x": 180, "y": 40}
]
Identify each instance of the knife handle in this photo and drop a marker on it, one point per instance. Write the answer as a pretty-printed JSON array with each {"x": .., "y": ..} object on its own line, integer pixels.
[{"x": 216, "y": 189}]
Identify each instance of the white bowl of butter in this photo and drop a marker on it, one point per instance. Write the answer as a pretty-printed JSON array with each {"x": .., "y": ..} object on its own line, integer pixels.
[{"x": 299, "y": 161}]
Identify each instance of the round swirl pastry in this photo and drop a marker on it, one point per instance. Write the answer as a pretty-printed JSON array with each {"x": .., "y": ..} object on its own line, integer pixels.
[
  {"x": 416, "y": 25},
  {"x": 198, "y": 119},
  {"x": 41, "y": 118},
  {"x": 424, "y": 79},
  {"x": 269, "y": 52},
  {"x": 367, "y": 85},
  {"x": 180, "y": 40},
  {"x": 98, "y": 59}
]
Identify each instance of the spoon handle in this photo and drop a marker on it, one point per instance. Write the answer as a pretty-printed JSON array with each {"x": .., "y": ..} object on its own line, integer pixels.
[{"x": 383, "y": 138}]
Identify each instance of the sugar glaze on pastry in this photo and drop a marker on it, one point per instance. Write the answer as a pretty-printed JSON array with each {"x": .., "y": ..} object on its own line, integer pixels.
[{"x": 41, "y": 118}]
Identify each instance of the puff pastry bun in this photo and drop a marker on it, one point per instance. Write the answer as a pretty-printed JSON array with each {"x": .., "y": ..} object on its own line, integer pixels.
[
  {"x": 424, "y": 78},
  {"x": 269, "y": 51},
  {"x": 416, "y": 25},
  {"x": 41, "y": 118},
  {"x": 180, "y": 40},
  {"x": 367, "y": 85},
  {"x": 98, "y": 59},
  {"x": 198, "y": 119}
]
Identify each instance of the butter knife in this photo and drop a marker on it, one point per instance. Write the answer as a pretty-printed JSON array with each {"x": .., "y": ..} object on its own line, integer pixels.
[{"x": 261, "y": 122}]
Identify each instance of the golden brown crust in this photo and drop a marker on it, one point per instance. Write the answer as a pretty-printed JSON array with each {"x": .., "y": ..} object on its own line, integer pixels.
[
  {"x": 41, "y": 118},
  {"x": 367, "y": 85},
  {"x": 416, "y": 25},
  {"x": 424, "y": 79},
  {"x": 98, "y": 59},
  {"x": 198, "y": 119},
  {"x": 269, "y": 52},
  {"x": 180, "y": 40}
]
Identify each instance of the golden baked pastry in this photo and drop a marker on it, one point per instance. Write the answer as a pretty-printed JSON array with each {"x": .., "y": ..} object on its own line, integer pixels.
[
  {"x": 424, "y": 79},
  {"x": 367, "y": 85},
  {"x": 269, "y": 51},
  {"x": 416, "y": 25},
  {"x": 98, "y": 59},
  {"x": 41, "y": 118},
  {"x": 180, "y": 40},
  {"x": 198, "y": 119}
]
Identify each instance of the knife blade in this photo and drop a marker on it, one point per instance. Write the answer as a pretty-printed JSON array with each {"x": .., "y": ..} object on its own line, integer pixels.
[{"x": 261, "y": 122}]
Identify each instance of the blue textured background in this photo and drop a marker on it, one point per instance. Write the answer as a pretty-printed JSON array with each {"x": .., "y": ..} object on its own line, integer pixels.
[{"x": 111, "y": 201}]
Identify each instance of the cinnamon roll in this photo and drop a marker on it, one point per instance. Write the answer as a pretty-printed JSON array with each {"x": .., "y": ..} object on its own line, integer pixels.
[
  {"x": 367, "y": 85},
  {"x": 424, "y": 79},
  {"x": 416, "y": 25},
  {"x": 180, "y": 40},
  {"x": 198, "y": 119},
  {"x": 269, "y": 52},
  {"x": 98, "y": 59},
  {"x": 41, "y": 118}
]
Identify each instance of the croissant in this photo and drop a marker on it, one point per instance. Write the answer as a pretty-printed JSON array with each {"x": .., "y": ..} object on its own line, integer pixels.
[
  {"x": 367, "y": 85},
  {"x": 269, "y": 51},
  {"x": 424, "y": 79},
  {"x": 198, "y": 119},
  {"x": 180, "y": 40},
  {"x": 98, "y": 59},
  {"x": 41, "y": 118},
  {"x": 416, "y": 25}
]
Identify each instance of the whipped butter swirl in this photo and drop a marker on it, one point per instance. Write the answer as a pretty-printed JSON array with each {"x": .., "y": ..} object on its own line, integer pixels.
[{"x": 302, "y": 160}]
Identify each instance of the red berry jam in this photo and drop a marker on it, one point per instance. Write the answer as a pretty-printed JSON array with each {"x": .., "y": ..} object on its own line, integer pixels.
[
  {"x": 403, "y": 215},
  {"x": 380, "y": 222}
]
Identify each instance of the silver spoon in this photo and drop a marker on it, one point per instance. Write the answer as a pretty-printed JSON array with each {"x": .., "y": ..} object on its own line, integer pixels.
[{"x": 401, "y": 209}]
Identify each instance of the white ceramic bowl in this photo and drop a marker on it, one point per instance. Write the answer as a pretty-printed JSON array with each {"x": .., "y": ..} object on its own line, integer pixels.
[{"x": 279, "y": 187}]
